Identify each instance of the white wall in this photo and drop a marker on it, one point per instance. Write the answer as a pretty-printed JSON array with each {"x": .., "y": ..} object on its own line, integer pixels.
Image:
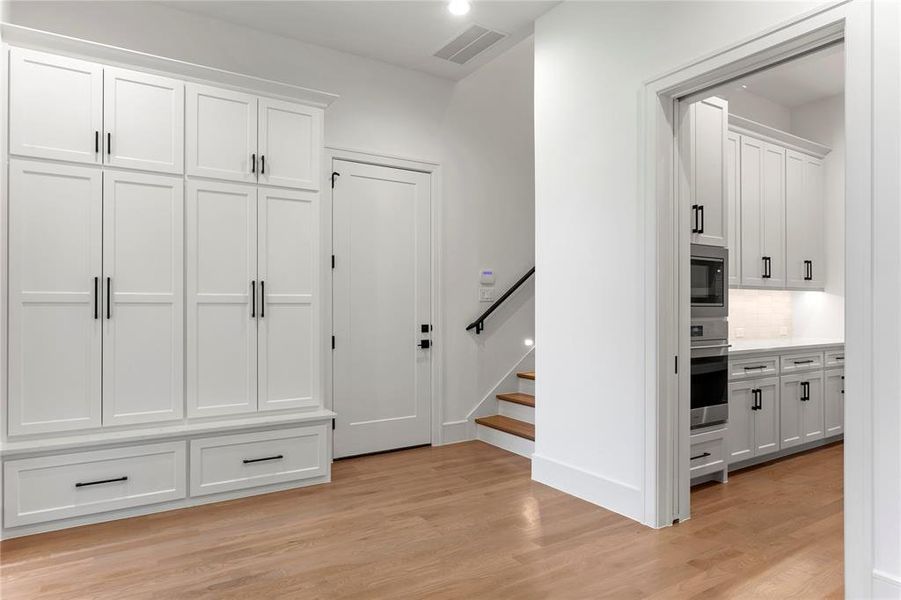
[
  {"x": 480, "y": 130},
  {"x": 757, "y": 108},
  {"x": 819, "y": 314},
  {"x": 591, "y": 60}
]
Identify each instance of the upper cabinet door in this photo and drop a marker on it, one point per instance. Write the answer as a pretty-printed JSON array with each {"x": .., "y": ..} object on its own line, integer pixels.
[
  {"x": 144, "y": 121},
  {"x": 288, "y": 302},
  {"x": 805, "y": 221},
  {"x": 733, "y": 204},
  {"x": 709, "y": 125},
  {"x": 55, "y": 107},
  {"x": 221, "y": 134},
  {"x": 54, "y": 297},
  {"x": 773, "y": 214},
  {"x": 143, "y": 334},
  {"x": 753, "y": 265},
  {"x": 290, "y": 144}
]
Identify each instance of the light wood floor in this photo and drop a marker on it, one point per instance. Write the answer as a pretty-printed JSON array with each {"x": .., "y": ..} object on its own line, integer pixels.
[{"x": 461, "y": 521}]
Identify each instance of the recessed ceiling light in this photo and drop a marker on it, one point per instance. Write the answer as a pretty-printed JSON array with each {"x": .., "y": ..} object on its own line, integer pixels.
[
  {"x": 744, "y": 86},
  {"x": 458, "y": 8}
]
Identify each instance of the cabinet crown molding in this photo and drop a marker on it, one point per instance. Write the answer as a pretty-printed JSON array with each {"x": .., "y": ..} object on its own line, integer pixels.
[
  {"x": 35, "y": 39},
  {"x": 766, "y": 133}
]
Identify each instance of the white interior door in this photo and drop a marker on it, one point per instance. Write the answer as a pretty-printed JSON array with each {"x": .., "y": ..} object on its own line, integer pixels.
[
  {"x": 290, "y": 144},
  {"x": 143, "y": 374},
  {"x": 289, "y": 342},
  {"x": 220, "y": 133},
  {"x": 144, "y": 118},
  {"x": 55, "y": 106},
  {"x": 54, "y": 305},
  {"x": 221, "y": 273},
  {"x": 381, "y": 301}
]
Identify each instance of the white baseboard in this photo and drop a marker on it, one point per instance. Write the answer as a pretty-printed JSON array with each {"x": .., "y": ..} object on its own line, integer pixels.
[
  {"x": 886, "y": 586},
  {"x": 612, "y": 495},
  {"x": 454, "y": 432}
]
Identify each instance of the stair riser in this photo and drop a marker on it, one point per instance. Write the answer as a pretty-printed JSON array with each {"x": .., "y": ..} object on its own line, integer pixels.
[
  {"x": 526, "y": 386},
  {"x": 506, "y": 441},
  {"x": 516, "y": 411}
]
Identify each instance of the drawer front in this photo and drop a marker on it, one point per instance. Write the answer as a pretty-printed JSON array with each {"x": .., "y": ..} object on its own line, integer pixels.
[
  {"x": 71, "y": 485},
  {"x": 234, "y": 462},
  {"x": 743, "y": 368},
  {"x": 707, "y": 457},
  {"x": 835, "y": 358},
  {"x": 794, "y": 363}
]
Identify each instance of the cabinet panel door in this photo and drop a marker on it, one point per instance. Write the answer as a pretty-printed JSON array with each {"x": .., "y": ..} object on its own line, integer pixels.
[
  {"x": 709, "y": 128},
  {"x": 290, "y": 144},
  {"x": 814, "y": 181},
  {"x": 790, "y": 411},
  {"x": 812, "y": 417},
  {"x": 221, "y": 268},
  {"x": 144, "y": 119},
  {"x": 733, "y": 204},
  {"x": 751, "y": 184},
  {"x": 288, "y": 328},
  {"x": 55, "y": 107},
  {"x": 220, "y": 133},
  {"x": 766, "y": 420},
  {"x": 834, "y": 403},
  {"x": 797, "y": 209},
  {"x": 773, "y": 213},
  {"x": 54, "y": 278},
  {"x": 740, "y": 433},
  {"x": 143, "y": 329}
]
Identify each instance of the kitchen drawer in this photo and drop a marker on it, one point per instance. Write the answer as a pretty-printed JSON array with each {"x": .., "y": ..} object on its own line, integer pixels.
[
  {"x": 707, "y": 457},
  {"x": 808, "y": 361},
  {"x": 835, "y": 358},
  {"x": 72, "y": 485},
  {"x": 743, "y": 368},
  {"x": 234, "y": 462}
]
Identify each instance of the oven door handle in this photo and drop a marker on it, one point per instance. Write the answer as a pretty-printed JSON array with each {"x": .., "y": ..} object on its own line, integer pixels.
[{"x": 711, "y": 346}]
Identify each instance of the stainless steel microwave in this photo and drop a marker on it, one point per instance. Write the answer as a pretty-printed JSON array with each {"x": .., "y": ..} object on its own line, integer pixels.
[{"x": 709, "y": 282}]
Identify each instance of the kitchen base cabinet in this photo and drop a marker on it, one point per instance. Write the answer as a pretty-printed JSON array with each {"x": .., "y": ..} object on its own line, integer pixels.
[
  {"x": 801, "y": 409},
  {"x": 834, "y": 403},
  {"x": 753, "y": 418}
]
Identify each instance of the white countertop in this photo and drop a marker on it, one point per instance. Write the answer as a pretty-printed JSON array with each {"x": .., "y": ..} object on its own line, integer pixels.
[{"x": 742, "y": 346}]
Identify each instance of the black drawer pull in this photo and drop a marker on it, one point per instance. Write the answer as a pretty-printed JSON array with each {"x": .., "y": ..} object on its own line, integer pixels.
[
  {"x": 757, "y": 368},
  {"x": 803, "y": 362},
  {"x": 247, "y": 461},
  {"x": 102, "y": 481},
  {"x": 704, "y": 455},
  {"x": 842, "y": 357}
]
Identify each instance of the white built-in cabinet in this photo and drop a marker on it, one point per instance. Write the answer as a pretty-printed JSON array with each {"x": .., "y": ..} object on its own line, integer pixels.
[
  {"x": 753, "y": 418},
  {"x": 805, "y": 221},
  {"x": 801, "y": 409},
  {"x": 762, "y": 182},
  {"x": 834, "y": 402},
  {"x": 708, "y": 122},
  {"x": 240, "y": 137},
  {"x": 733, "y": 204}
]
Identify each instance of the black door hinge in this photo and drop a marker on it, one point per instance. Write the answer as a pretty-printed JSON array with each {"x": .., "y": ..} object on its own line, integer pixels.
[
  {"x": 333, "y": 342},
  {"x": 333, "y": 261},
  {"x": 677, "y": 363},
  {"x": 334, "y": 175}
]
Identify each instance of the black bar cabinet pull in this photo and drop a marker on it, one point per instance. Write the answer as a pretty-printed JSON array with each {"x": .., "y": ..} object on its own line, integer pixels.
[
  {"x": 109, "y": 142},
  {"x": 262, "y": 299},
  {"x": 262, "y": 164},
  {"x": 694, "y": 208},
  {"x": 96, "y": 297},
  {"x": 701, "y": 213},
  {"x": 253, "y": 299},
  {"x": 757, "y": 368},
  {"x": 100, "y": 482},
  {"x": 803, "y": 362},
  {"x": 704, "y": 455},
  {"x": 96, "y": 142},
  {"x": 108, "y": 297},
  {"x": 247, "y": 461},
  {"x": 767, "y": 267},
  {"x": 253, "y": 163},
  {"x": 805, "y": 391}
]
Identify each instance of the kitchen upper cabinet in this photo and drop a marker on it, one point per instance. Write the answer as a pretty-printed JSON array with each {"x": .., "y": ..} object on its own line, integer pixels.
[
  {"x": 143, "y": 118},
  {"x": 733, "y": 204},
  {"x": 55, "y": 107},
  {"x": 834, "y": 402},
  {"x": 221, "y": 274},
  {"x": 805, "y": 226},
  {"x": 55, "y": 254},
  {"x": 708, "y": 122},
  {"x": 762, "y": 180},
  {"x": 290, "y": 143},
  {"x": 287, "y": 323},
  {"x": 221, "y": 133},
  {"x": 801, "y": 413},
  {"x": 753, "y": 418},
  {"x": 143, "y": 333}
]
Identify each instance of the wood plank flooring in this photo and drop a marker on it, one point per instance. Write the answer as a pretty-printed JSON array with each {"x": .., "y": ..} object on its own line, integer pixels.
[{"x": 461, "y": 521}]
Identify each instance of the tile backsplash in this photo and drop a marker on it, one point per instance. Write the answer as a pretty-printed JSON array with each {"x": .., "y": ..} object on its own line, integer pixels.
[{"x": 760, "y": 314}]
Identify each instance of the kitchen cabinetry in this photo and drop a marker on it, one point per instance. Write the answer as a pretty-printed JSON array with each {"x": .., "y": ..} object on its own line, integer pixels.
[
  {"x": 834, "y": 409},
  {"x": 733, "y": 206},
  {"x": 708, "y": 122},
  {"x": 801, "y": 409},
  {"x": 753, "y": 418},
  {"x": 762, "y": 181},
  {"x": 805, "y": 221}
]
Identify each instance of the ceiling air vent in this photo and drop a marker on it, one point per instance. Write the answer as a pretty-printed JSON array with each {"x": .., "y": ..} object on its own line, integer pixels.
[{"x": 469, "y": 44}]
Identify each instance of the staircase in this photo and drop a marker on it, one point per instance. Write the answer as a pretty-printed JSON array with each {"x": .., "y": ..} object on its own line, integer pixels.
[{"x": 513, "y": 428}]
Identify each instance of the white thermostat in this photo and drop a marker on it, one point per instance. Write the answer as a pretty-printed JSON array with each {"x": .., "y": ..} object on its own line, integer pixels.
[{"x": 486, "y": 277}]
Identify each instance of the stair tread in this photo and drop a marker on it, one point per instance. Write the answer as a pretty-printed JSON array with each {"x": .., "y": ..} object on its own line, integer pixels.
[
  {"x": 518, "y": 398},
  {"x": 508, "y": 425},
  {"x": 526, "y": 375}
]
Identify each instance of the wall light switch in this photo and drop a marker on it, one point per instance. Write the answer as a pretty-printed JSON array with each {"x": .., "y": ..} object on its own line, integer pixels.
[
  {"x": 486, "y": 294},
  {"x": 486, "y": 276}
]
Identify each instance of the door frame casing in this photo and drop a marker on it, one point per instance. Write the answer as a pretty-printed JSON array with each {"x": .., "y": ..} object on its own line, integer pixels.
[
  {"x": 667, "y": 393},
  {"x": 433, "y": 169}
]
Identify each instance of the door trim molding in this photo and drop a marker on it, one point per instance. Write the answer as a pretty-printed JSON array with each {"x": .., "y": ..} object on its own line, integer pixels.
[{"x": 333, "y": 153}]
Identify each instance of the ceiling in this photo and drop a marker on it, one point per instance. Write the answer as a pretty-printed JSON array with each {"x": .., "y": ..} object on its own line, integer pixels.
[
  {"x": 799, "y": 81},
  {"x": 403, "y": 33}
]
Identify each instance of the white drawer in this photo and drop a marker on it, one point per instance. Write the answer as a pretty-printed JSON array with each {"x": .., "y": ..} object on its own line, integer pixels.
[
  {"x": 234, "y": 462},
  {"x": 72, "y": 485},
  {"x": 835, "y": 358},
  {"x": 707, "y": 457},
  {"x": 809, "y": 361},
  {"x": 763, "y": 366}
]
